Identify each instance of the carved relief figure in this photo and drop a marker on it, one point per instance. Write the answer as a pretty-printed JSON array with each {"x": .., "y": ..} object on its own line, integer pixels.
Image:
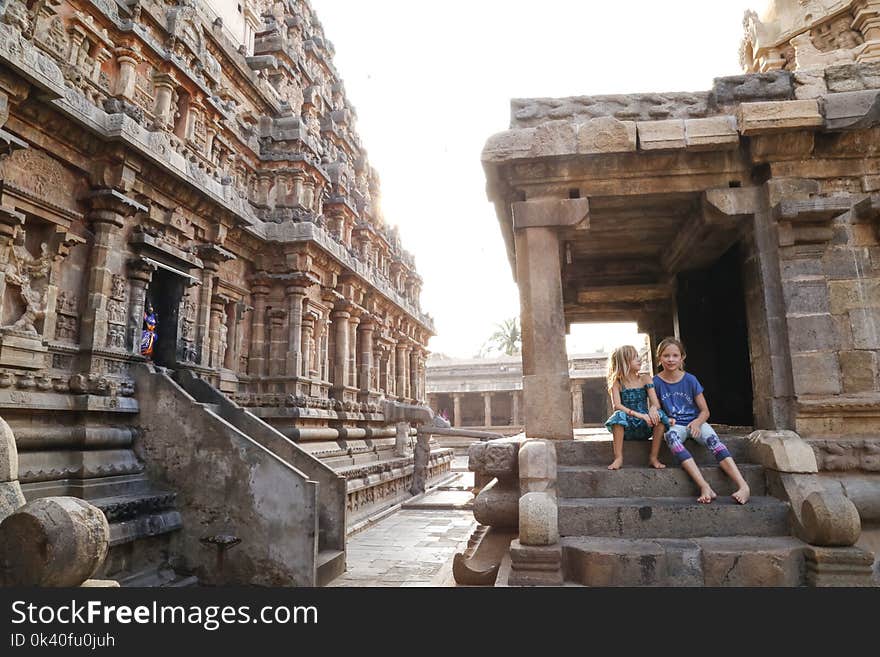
[{"x": 30, "y": 275}]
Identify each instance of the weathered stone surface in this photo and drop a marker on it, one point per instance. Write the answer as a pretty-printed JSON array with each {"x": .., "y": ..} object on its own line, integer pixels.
[
  {"x": 761, "y": 118},
  {"x": 551, "y": 213},
  {"x": 497, "y": 505},
  {"x": 809, "y": 84},
  {"x": 606, "y": 135},
  {"x": 807, "y": 297},
  {"x": 744, "y": 562},
  {"x": 830, "y": 520},
  {"x": 556, "y": 138},
  {"x": 712, "y": 133},
  {"x": 53, "y": 541},
  {"x": 782, "y": 451},
  {"x": 11, "y": 498},
  {"x": 775, "y": 85},
  {"x": 8, "y": 453},
  {"x": 533, "y": 565},
  {"x": 842, "y": 566},
  {"x": 865, "y": 327},
  {"x": 661, "y": 135},
  {"x": 859, "y": 370},
  {"x": 852, "y": 110},
  {"x": 851, "y": 295},
  {"x": 614, "y": 562},
  {"x": 538, "y": 519},
  {"x": 812, "y": 332},
  {"x": 775, "y": 146},
  {"x": 852, "y": 77},
  {"x": 864, "y": 492},
  {"x": 496, "y": 458},
  {"x": 509, "y": 145},
  {"x": 804, "y": 369},
  {"x": 537, "y": 467}
]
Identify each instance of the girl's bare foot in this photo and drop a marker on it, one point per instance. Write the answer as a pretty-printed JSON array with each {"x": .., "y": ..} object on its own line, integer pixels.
[
  {"x": 706, "y": 495},
  {"x": 656, "y": 464},
  {"x": 742, "y": 495},
  {"x": 615, "y": 465}
]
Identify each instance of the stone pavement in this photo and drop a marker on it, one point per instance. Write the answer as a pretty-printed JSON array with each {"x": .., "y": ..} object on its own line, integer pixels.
[{"x": 414, "y": 545}]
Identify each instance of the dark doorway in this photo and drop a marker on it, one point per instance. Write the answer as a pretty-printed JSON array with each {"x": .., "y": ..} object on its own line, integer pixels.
[
  {"x": 595, "y": 396},
  {"x": 165, "y": 292},
  {"x": 712, "y": 325}
]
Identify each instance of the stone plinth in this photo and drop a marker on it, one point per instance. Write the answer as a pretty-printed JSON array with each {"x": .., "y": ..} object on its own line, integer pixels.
[{"x": 22, "y": 350}]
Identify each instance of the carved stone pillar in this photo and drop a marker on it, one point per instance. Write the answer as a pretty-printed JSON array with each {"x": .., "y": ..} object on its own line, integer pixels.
[
  {"x": 353, "y": 323},
  {"x": 164, "y": 84},
  {"x": 366, "y": 356},
  {"x": 577, "y": 403},
  {"x": 400, "y": 363},
  {"x": 295, "y": 297},
  {"x": 456, "y": 410},
  {"x": 539, "y": 274},
  {"x": 308, "y": 342},
  {"x": 128, "y": 59},
  {"x": 140, "y": 273},
  {"x": 515, "y": 405},
  {"x": 487, "y": 409},
  {"x": 257, "y": 356},
  {"x": 109, "y": 209},
  {"x": 203, "y": 322},
  {"x": 340, "y": 357},
  {"x": 10, "y": 220},
  {"x": 219, "y": 342},
  {"x": 277, "y": 341}
]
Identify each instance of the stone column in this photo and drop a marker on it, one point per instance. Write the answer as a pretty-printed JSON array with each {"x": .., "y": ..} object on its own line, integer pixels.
[
  {"x": 140, "y": 273},
  {"x": 400, "y": 363},
  {"x": 340, "y": 358},
  {"x": 293, "y": 361},
  {"x": 257, "y": 356},
  {"x": 233, "y": 353},
  {"x": 277, "y": 342},
  {"x": 353, "y": 323},
  {"x": 109, "y": 208},
  {"x": 366, "y": 356},
  {"x": 164, "y": 85},
  {"x": 128, "y": 59},
  {"x": 487, "y": 409},
  {"x": 456, "y": 410},
  {"x": 211, "y": 257},
  {"x": 539, "y": 269},
  {"x": 308, "y": 330},
  {"x": 218, "y": 308},
  {"x": 577, "y": 403},
  {"x": 325, "y": 348},
  {"x": 515, "y": 405},
  {"x": 414, "y": 375}
]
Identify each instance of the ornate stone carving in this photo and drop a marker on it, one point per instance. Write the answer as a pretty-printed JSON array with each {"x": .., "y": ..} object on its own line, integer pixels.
[{"x": 31, "y": 275}]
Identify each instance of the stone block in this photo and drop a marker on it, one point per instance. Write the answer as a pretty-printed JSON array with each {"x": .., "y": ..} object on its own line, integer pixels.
[
  {"x": 850, "y": 295},
  {"x": 606, "y": 135},
  {"x": 547, "y": 406},
  {"x": 496, "y": 458},
  {"x": 714, "y": 133},
  {"x": 53, "y": 541},
  {"x": 773, "y": 85},
  {"x": 812, "y": 333},
  {"x": 509, "y": 145},
  {"x": 532, "y": 565},
  {"x": 800, "y": 267},
  {"x": 537, "y": 467},
  {"x": 789, "y": 145},
  {"x": 615, "y": 562},
  {"x": 852, "y": 77},
  {"x": 762, "y": 118},
  {"x": 540, "y": 213},
  {"x": 661, "y": 135},
  {"x": 844, "y": 331},
  {"x": 845, "y": 566},
  {"x": 782, "y": 451},
  {"x": 497, "y": 505},
  {"x": 865, "y": 327},
  {"x": 769, "y": 562},
  {"x": 858, "y": 370},
  {"x": 8, "y": 453},
  {"x": 22, "y": 351},
  {"x": 538, "y": 519},
  {"x": 816, "y": 373},
  {"x": 852, "y": 110},
  {"x": 11, "y": 498},
  {"x": 785, "y": 189},
  {"x": 806, "y": 297},
  {"x": 830, "y": 520},
  {"x": 809, "y": 84},
  {"x": 555, "y": 138},
  {"x": 843, "y": 263}
]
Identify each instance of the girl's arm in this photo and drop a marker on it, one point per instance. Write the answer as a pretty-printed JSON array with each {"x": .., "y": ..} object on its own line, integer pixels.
[
  {"x": 618, "y": 406},
  {"x": 653, "y": 402}
]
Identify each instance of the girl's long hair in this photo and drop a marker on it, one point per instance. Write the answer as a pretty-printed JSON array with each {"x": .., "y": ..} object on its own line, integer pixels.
[
  {"x": 618, "y": 363},
  {"x": 671, "y": 342}
]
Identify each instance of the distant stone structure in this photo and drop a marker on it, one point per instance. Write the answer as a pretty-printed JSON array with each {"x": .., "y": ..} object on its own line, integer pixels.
[
  {"x": 202, "y": 157},
  {"x": 486, "y": 393},
  {"x": 745, "y": 220}
]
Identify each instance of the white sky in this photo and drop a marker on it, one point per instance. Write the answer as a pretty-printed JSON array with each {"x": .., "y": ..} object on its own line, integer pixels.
[{"x": 432, "y": 81}]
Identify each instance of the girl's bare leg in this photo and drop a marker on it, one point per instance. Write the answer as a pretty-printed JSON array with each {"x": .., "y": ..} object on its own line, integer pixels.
[
  {"x": 742, "y": 493},
  {"x": 656, "y": 441},
  {"x": 706, "y": 492},
  {"x": 617, "y": 433}
]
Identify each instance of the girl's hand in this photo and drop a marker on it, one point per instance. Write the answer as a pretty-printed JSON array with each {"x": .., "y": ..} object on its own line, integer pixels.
[
  {"x": 647, "y": 419},
  {"x": 694, "y": 429},
  {"x": 655, "y": 417}
]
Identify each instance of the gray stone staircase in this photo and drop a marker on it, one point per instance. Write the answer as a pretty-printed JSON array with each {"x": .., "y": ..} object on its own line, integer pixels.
[{"x": 643, "y": 527}]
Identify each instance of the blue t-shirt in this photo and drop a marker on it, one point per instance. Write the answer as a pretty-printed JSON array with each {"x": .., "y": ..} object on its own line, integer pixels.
[{"x": 677, "y": 399}]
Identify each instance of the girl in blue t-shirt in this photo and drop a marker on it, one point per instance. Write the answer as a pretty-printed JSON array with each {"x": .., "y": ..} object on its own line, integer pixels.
[{"x": 681, "y": 396}]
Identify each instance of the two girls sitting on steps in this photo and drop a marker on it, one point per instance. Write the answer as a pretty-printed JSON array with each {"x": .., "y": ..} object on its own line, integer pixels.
[{"x": 680, "y": 395}]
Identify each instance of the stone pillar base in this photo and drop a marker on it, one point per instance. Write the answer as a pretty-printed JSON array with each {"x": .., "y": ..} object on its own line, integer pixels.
[
  {"x": 548, "y": 408},
  {"x": 22, "y": 350},
  {"x": 846, "y": 566},
  {"x": 535, "y": 565}
]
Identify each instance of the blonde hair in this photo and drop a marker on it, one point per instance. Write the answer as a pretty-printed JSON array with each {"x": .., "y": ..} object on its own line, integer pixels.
[
  {"x": 618, "y": 363},
  {"x": 671, "y": 342}
]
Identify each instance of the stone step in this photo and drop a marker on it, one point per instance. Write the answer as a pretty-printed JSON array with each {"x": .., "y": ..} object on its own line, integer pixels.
[
  {"x": 776, "y": 561},
  {"x": 598, "y": 481},
  {"x": 215, "y": 408},
  {"x": 635, "y": 452},
  {"x": 672, "y": 517},
  {"x": 160, "y": 576},
  {"x": 331, "y": 564}
]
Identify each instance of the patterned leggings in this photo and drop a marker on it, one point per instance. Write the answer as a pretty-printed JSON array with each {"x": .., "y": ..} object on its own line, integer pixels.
[{"x": 676, "y": 436}]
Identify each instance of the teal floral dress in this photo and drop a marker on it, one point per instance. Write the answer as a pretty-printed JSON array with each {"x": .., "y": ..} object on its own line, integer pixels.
[{"x": 634, "y": 428}]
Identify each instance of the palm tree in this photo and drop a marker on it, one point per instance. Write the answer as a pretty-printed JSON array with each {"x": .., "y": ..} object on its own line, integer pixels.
[{"x": 506, "y": 339}]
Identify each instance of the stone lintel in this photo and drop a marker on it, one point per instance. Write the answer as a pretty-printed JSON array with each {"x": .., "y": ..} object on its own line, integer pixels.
[
  {"x": 852, "y": 110},
  {"x": 625, "y": 294},
  {"x": 713, "y": 133},
  {"x": 732, "y": 202},
  {"x": 661, "y": 135},
  {"x": 551, "y": 212},
  {"x": 115, "y": 200},
  {"x": 767, "y": 117}
]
